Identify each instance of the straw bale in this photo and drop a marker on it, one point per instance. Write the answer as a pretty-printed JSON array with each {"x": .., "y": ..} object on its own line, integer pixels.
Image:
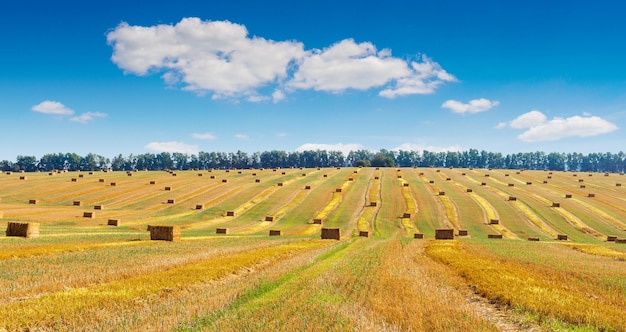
[
  {"x": 486, "y": 175},
  {"x": 100, "y": 180},
  {"x": 418, "y": 236},
  {"x": 376, "y": 178},
  {"x": 494, "y": 221},
  {"x": 325, "y": 175},
  {"x": 581, "y": 180},
  {"x": 27, "y": 230},
  {"x": 89, "y": 215},
  {"x": 507, "y": 174},
  {"x": 200, "y": 174},
  {"x": 165, "y": 233},
  {"x": 405, "y": 184},
  {"x": 23, "y": 178},
  {"x": 494, "y": 236},
  {"x": 555, "y": 204},
  {"x": 9, "y": 173},
  {"x": 307, "y": 187},
  {"x": 533, "y": 239},
  {"x": 611, "y": 238},
  {"x": 98, "y": 207},
  {"x": 444, "y": 234},
  {"x": 620, "y": 240},
  {"x": 442, "y": 193},
  {"x": 549, "y": 177},
  {"x": 511, "y": 184},
  {"x": 221, "y": 231},
  {"x": 257, "y": 180},
  {"x": 528, "y": 183},
  {"x": 275, "y": 232},
  {"x": 338, "y": 190},
  {"x": 224, "y": 181},
  {"x": 51, "y": 173},
  {"x": 230, "y": 213},
  {"x": 373, "y": 203},
  {"x": 350, "y": 179},
  {"x": 431, "y": 181},
  {"x": 74, "y": 179},
  {"x": 253, "y": 174},
  {"x": 438, "y": 170},
  {"x": 364, "y": 233},
  {"x": 283, "y": 173},
  {"x": 32, "y": 201},
  {"x": 618, "y": 184},
  {"x": 303, "y": 174},
  {"x": 568, "y": 195},
  {"x": 406, "y": 215},
  {"x": 545, "y": 182},
  {"x": 113, "y": 184},
  {"x": 469, "y": 190},
  {"x": 238, "y": 172},
  {"x": 448, "y": 179},
  {"x": 199, "y": 206},
  {"x": 77, "y": 203},
  {"x": 317, "y": 221},
  {"x": 280, "y": 184},
  {"x": 152, "y": 182},
  {"x": 561, "y": 237},
  {"x": 212, "y": 177},
  {"x": 174, "y": 174},
  {"x": 399, "y": 176},
  {"x": 591, "y": 195},
  {"x": 463, "y": 174},
  {"x": 483, "y": 183},
  {"x": 512, "y": 198},
  {"x": 463, "y": 232},
  {"x": 113, "y": 222},
  {"x": 269, "y": 218},
  {"x": 168, "y": 188},
  {"x": 331, "y": 233}
]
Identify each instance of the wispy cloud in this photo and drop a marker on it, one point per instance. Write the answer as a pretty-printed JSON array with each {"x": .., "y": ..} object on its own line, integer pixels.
[
  {"x": 344, "y": 148},
  {"x": 205, "y": 136},
  {"x": 473, "y": 106},
  {"x": 88, "y": 117},
  {"x": 219, "y": 57},
  {"x": 539, "y": 128},
  {"x": 421, "y": 147},
  {"x": 52, "y": 107},
  {"x": 242, "y": 136},
  {"x": 172, "y": 147}
]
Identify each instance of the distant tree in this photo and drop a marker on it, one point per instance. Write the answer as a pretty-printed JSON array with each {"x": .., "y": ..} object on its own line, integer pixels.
[
  {"x": 362, "y": 163},
  {"x": 26, "y": 163},
  {"x": 382, "y": 159}
]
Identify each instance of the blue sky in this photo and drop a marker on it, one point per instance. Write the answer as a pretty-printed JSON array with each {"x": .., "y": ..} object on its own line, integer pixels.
[{"x": 123, "y": 77}]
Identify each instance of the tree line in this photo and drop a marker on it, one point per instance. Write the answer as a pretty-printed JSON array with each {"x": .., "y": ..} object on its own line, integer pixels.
[{"x": 593, "y": 162}]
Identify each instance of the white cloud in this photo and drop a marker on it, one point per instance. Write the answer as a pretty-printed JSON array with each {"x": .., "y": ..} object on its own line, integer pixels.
[
  {"x": 473, "y": 106},
  {"x": 528, "y": 120},
  {"x": 242, "y": 136},
  {"x": 88, "y": 117},
  {"x": 172, "y": 147},
  {"x": 502, "y": 125},
  {"x": 219, "y": 57},
  {"x": 540, "y": 129},
  {"x": 344, "y": 148},
  {"x": 422, "y": 147},
  {"x": 207, "y": 136},
  {"x": 52, "y": 107}
]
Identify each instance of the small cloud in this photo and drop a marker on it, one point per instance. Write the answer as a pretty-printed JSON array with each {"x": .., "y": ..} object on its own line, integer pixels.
[
  {"x": 172, "y": 147},
  {"x": 344, "y": 148},
  {"x": 88, "y": 117},
  {"x": 473, "y": 106},
  {"x": 540, "y": 129},
  {"x": 502, "y": 125},
  {"x": 422, "y": 147},
  {"x": 52, "y": 107},
  {"x": 278, "y": 95},
  {"x": 242, "y": 136},
  {"x": 281, "y": 134},
  {"x": 206, "y": 136}
]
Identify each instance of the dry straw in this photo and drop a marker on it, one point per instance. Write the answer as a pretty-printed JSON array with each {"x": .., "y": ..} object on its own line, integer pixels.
[{"x": 27, "y": 230}]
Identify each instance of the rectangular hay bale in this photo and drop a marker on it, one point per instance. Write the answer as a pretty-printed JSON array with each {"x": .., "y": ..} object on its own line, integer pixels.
[
  {"x": 364, "y": 233},
  {"x": 27, "y": 230},
  {"x": 331, "y": 234},
  {"x": 536, "y": 239},
  {"x": 494, "y": 236},
  {"x": 561, "y": 237},
  {"x": 275, "y": 232},
  {"x": 620, "y": 240},
  {"x": 611, "y": 238},
  {"x": 269, "y": 218},
  {"x": 221, "y": 231},
  {"x": 164, "y": 233},
  {"x": 230, "y": 213},
  {"x": 418, "y": 236},
  {"x": 89, "y": 215},
  {"x": 113, "y": 222},
  {"x": 444, "y": 234},
  {"x": 463, "y": 232},
  {"x": 494, "y": 221}
]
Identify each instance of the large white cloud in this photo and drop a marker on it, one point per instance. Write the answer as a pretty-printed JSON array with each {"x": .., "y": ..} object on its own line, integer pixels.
[
  {"x": 473, "y": 106},
  {"x": 344, "y": 148},
  {"x": 52, "y": 107},
  {"x": 219, "y": 57},
  {"x": 539, "y": 128},
  {"x": 172, "y": 147}
]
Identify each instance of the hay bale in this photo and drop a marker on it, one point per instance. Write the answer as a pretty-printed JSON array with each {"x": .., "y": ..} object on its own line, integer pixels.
[
  {"x": 512, "y": 198},
  {"x": 618, "y": 184},
  {"x": 221, "y": 231},
  {"x": 168, "y": 188},
  {"x": 164, "y": 233},
  {"x": 33, "y": 201},
  {"x": 511, "y": 184},
  {"x": 77, "y": 203},
  {"x": 406, "y": 215},
  {"x": 494, "y": 221},
  {"x": 257, "y": 180},
  {"x": 545, "y": 182},
  {"x": 561, "y": 237},
  {"x": 101, "y": 180},
  {"x": 536, "y": 239},
  {"x": 307, "y": 187},
  {"x": 611, "y": 238},
  {"x": 442, "y": 193},
  {"x": 494, "y": 236},
  {"x": 582, "y": 186},
  {"x": 230, "y": 213},
  {"x": 463, "y": 232},
  {"x": 174, "y": 174},
  {"x": 331, "y": 234},
  {"x": 317, "y": 221},
  {"x": 444, "y": 234},
  {"x": 325, "y": 175},
  {"x": 528, "y": 183},
  {"x": 556, "y": 205},
  {"x": 338, "y": 190},
  {"x": 200, "y": 174},
  {"x": 152, "y": 182},
  {"x": 438, "y": 170},
  {"x": 303, "y": 174},
  {"x": 114, "y": 222},
  {"x": 364, "y": 233},
  {"x": 283, "y": 173},
  {"x": 448, "y": 179},
  {"x": 483, "y": 183},
  {"x": 399, "y": 176},
  {"x": 113, "y": 184},
  {"x": 507, "y": 174},
  {"x": 431, "y": 181},
  {"x": 212, "y": 177},
  {"x": 463, "y": 174},
  {"x": 269, "y": 218},
  {"x": 549, "y": 177},
  {"x": 280, "y": 184},
  {"x": 199, "y": 206},
  {"x": 469, "y": 190},
  {"x": 350, "y": 179},
  {"x": 89, "y": 215},
  {"x": 373, "y": 203},
  {"x": 51, "y": 173},
  {"x": 620, "y": 240},
  {"x": 23, "y": 178},
  {"x": 486, "y": 175},
  {"x": 405, "y": 184},
  {"x": 275, "y": 232},
  {"x": 74, "y": 180},
  {"x": 27, "y": 230},
  {"x": 418, "y": 236},
  {"x": 98, "y": 207},
  {"x": 224, "y": 181},
  {"x": 9, "y": 173},
  {"x": 581, "y": 180},
  {"x": 591, "y": 195},
  {"x": 568, "y": 195}
]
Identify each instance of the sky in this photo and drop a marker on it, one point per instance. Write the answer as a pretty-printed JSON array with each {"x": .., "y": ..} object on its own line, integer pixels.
[{"x": 122, "y": 77}]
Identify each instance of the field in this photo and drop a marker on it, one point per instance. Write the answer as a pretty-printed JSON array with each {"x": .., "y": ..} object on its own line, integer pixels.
[{"x": 533, "y": 250}]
